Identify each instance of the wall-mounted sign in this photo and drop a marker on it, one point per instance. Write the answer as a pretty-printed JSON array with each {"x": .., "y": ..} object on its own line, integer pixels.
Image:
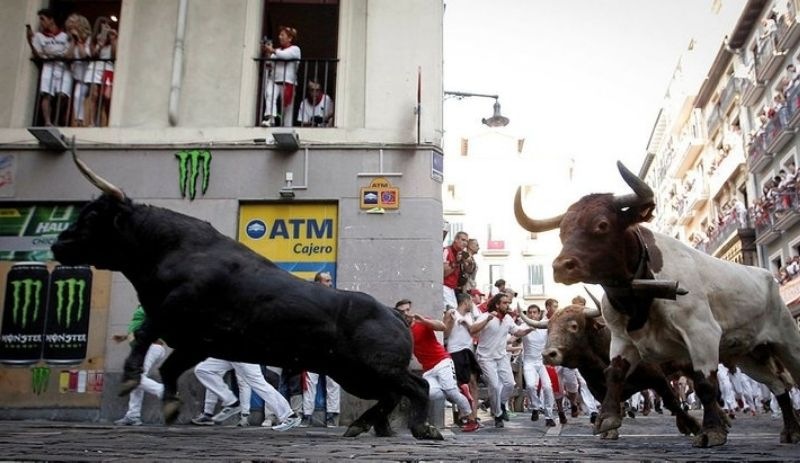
[
  {"x": 45, "y": 315},
  {"x": 8, "y": 175},
  {"x": 381, "y": 194},
  {"x": 437, "y": 166},
  {"x": 28, "y": 231},
  {"x": 298, "y": 237}
]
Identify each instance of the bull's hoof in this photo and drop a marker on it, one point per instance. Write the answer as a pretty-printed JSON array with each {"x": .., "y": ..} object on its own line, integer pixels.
[
  {"x": 356, "y": 429},
  {"x": 687, "y": 425},
  {"x": 426, "y": 431},
  {"x": 126, "y": 386},
  {"x": 710, "y": 438},
  {"x": 607, "y": 423},
  {"x": 610, "y": 435},
  {"x": 171, "y": 408},
  {"x": 790, "y": 437}
]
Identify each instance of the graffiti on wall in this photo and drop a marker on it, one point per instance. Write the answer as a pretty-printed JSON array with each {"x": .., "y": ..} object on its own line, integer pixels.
[{"x": 193, "y": 165}]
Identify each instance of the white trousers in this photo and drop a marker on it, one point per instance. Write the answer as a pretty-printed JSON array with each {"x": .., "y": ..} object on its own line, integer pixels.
[
  {"x": 272, "y": 90},
  {"x": 332, "y": 393},
  {"x": 533, "y": 372},
  {"x": 442, "y": 382},
  {"x": 210, "y": 372},
  {"x": 499, "y": 380},
  {"x": 155, "y": 354}
]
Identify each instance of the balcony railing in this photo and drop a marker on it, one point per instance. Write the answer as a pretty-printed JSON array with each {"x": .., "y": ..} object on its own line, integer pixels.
[
  {"x": 793, "y": 103},
  {"x": 752, "y": 90},
  {"x": 729, "y": 94},
  {"x": 757, "y": 157},
  {"x": 286, "y": 105},
  {"x": 780, "y": 215},
  {"x": 714, "y": 121},
  {"x": 769, "y": 58},
  {"x": 777, "y": 131},
  {"x": 73, "y": 92},
  {"x": 788, "y": 27}
]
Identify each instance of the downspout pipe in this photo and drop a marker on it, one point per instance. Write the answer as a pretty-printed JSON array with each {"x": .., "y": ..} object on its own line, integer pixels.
[{"x": 177, "y": 64}]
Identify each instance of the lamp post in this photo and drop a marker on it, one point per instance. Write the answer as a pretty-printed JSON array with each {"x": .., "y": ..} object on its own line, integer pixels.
[{"x": 497, "y": 120}]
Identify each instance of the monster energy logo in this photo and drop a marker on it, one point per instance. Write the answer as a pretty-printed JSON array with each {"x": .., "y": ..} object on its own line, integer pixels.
[
  {"x": 69, "y": 300},
  {"x": 40, "y": 378},
  {"x": 26, "y": 298},
  {"x": 190, "y": 163}
]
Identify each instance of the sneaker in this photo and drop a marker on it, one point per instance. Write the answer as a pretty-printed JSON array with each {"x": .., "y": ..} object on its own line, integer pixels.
[
  {"x": 574, "y": 411},
  {"x": 331, "y": 420},
  {"x": 305, "y": 422},
  {"x": 498, "y": 422},
  {"x": 535, "y": 415},
  {"x": 267, "y": 423},
  {"x": 562, "y": 418},
  {"x": 203, "y": 420},
  {"x": 288, "y": 423},
  {"x": 227, "y": 412},
  {"x": 593, "y": 417},
  {"x": 549, "y": 422},
  {"x": 244, "y": 421},
  {"x": 128, "y": 421},
  {"x": 471, "y": 426},
  {"x": 267, "y": 122},
  {"x": 504, "y": 415}
]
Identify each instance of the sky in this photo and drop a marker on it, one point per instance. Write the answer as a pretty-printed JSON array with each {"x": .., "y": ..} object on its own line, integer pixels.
[{"x": 582, "y": 78}]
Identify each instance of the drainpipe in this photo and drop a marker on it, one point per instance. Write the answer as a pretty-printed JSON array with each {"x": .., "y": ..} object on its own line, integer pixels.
[{"x": 177, "y": 64}]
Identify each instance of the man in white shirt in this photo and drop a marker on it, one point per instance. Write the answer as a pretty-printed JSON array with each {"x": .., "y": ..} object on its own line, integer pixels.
[
  {"x": 316, "y": 110},
  {"x": 459, "y": 346},
  {"x": 51, "y": 43},
  {"x": 494, "y": 327},
  {"x": 533, "y": 369}
]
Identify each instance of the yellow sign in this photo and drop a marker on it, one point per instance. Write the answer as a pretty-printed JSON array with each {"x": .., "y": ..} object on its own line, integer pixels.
[
  {"x": 380, "y": 194},
  {"x": 299, "y": 237}
]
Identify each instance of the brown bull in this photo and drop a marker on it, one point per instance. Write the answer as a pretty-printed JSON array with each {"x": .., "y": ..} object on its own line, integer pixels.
[
  {"x": 723, "y": 311},
  {"x": 576, "y": 339}
]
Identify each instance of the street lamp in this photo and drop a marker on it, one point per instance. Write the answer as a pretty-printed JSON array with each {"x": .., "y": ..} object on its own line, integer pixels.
[{"x": 497, "y": 120}]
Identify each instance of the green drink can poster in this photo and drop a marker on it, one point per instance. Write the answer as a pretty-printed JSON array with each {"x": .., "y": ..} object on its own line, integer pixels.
[
  {"x": 24, "y": 311},
  {"x": 67, "y": 327}
]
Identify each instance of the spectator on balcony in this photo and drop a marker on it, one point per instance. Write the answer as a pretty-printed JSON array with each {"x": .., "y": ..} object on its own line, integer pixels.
[
  {"x": 778, "y": 102},
  {"x": 79, "y": 31},
  {"x": 281, "y": 78},
  {"x": 793, "y": 268},
  {"x": 51, "y": 43},
  {"x": 316, "y": 110},
  {"x": 100, "y": 74},
  {"x": 789, "y": 80},
  {"x": 740, "y": 212},
  {"x": 768, "y": 27}
]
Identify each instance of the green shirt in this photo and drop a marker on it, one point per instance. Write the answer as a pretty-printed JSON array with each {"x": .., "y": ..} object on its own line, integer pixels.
[{"x": 137, "y": 320}]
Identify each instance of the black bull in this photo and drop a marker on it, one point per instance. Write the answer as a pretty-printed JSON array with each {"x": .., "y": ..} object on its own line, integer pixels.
[{"x": 207, "y": 295}]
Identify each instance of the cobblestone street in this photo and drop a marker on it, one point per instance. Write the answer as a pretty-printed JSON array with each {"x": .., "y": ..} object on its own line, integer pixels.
[{"x": 645, "y": 438}]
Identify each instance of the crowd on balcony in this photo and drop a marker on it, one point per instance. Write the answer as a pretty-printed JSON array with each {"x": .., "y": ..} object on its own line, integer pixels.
[
  {"x": 732, "y": 211},
  {"x": 779, "y": 194},
  {"x": 76, "y": 69},
  {"x": 788, "y": 272}
]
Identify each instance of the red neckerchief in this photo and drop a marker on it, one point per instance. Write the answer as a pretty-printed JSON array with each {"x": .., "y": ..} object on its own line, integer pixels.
[{"x": 52, "y": 34}]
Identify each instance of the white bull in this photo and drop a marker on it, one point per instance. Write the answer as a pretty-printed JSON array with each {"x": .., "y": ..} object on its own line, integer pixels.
[{"x": 723, "y": 311}]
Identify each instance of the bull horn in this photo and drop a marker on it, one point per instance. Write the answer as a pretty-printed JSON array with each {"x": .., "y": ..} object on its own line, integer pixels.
[
  {"x": 643, "y": 194},
  {"x": 533, "y": 225},
  {"x": 592, "y": 296},
  {"x": 591, "y": 312},
  {"x": 534, "y": 323},
  {"x": 104, "y": 185}
]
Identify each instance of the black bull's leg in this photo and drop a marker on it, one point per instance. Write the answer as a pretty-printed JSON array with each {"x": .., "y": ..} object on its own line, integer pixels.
[
  {"x": 610, "y": 416},
  {"x": 791, "y": 429},
  {"x": 178, "y": 361}
]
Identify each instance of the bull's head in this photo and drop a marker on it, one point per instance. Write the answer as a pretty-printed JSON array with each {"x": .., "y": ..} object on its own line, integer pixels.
[
  {"x": 95, "y": 238},
  {"x": 567, "y": 337},
  {"x": 599, "y": 245}
]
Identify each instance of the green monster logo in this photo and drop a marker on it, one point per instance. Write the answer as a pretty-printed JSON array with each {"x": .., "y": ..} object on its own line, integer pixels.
[
  {"x": 40, "y": 378},
  {"x": 190, "y": 163},
  {"x": 66, "y": 304},
  {"x": 26, "y": 293}
]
